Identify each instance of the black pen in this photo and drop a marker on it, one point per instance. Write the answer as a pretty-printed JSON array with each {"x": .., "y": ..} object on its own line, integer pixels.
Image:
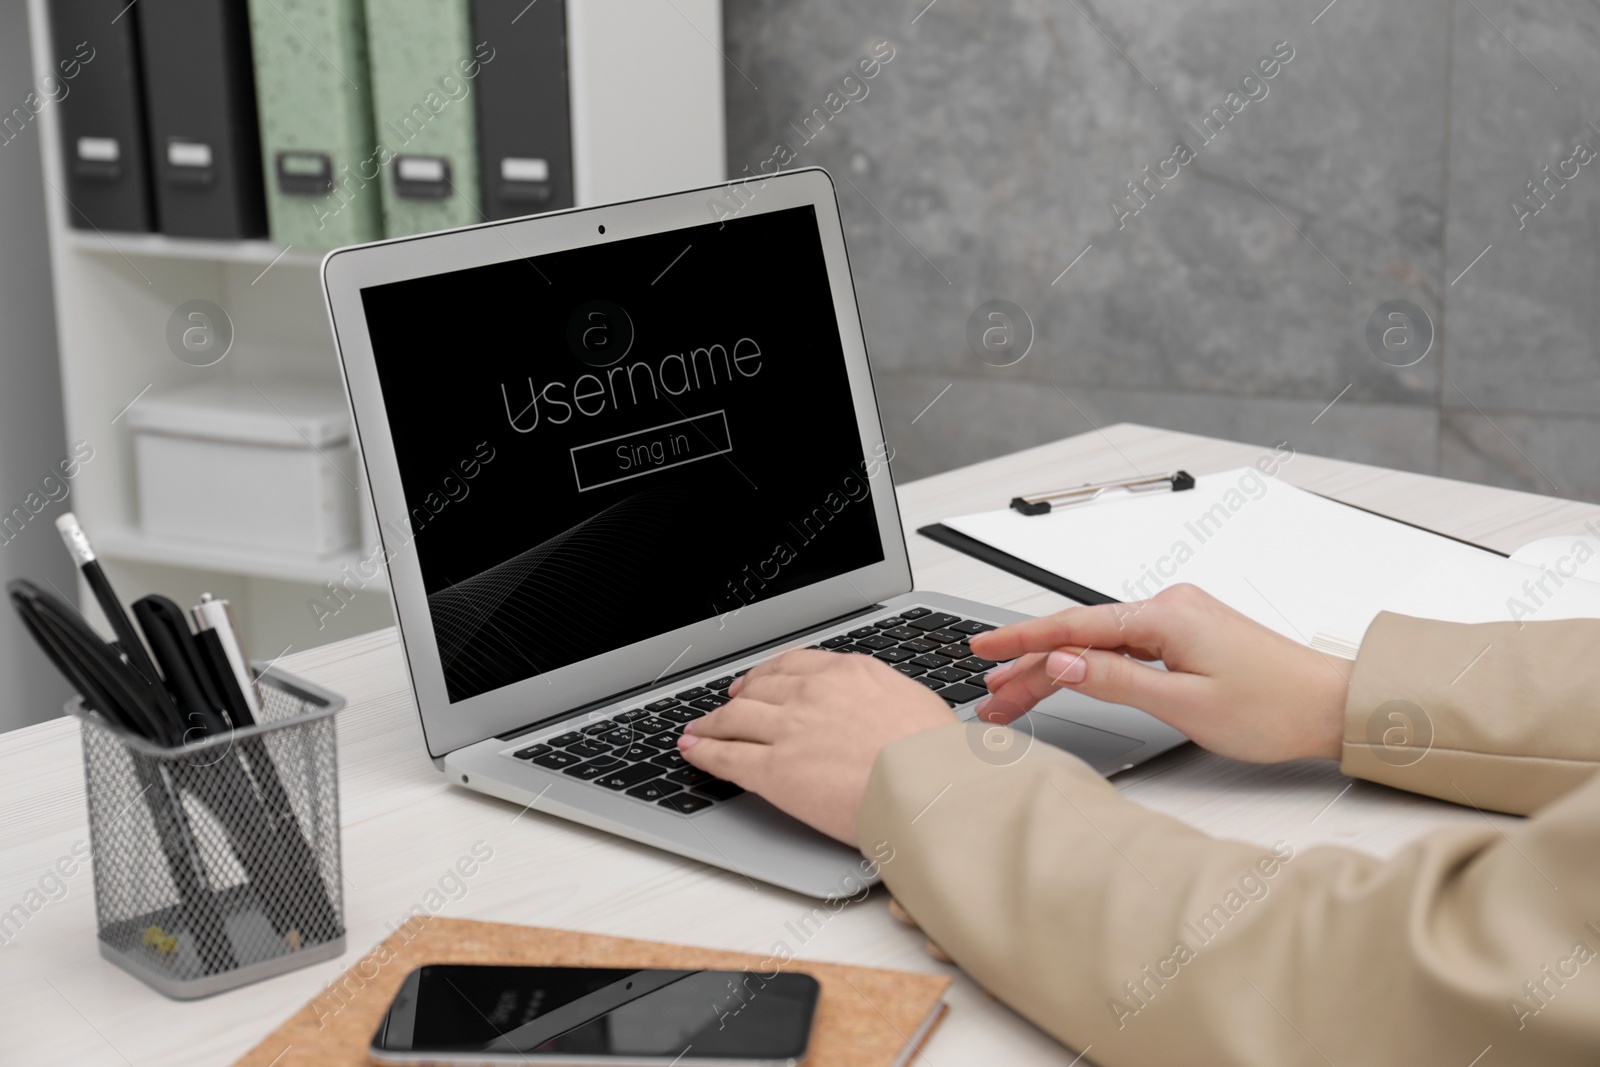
[
  {"x": 230, "y": 668},
  {"x": 167, "y": 630},
  {"x": 83, "y": 555},
  {"x": 79, "y": 666},
  {"x": 138, "y": 708},
  {"x": 133, "y": 650}
]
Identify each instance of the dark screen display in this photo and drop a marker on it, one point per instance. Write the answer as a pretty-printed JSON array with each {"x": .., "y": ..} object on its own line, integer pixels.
[
  {"x": 603, "y": 444},
  {"x": 528, "y": 1011}
]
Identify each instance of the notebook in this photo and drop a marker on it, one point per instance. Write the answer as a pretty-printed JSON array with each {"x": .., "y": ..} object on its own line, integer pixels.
[
  {"x": 1553, "y": 578},
  {"x": 1313, "y": 569},
  {"x": 866, "y": 1017}
]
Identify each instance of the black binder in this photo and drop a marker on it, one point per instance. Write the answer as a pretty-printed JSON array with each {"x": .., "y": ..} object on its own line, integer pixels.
[
  {"x": 102, "y": 116},
  {"x": 205, "y": 150},
  {"x": 524, "y": 113}
]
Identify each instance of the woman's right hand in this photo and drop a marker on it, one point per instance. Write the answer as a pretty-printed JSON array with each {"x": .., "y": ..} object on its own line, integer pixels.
[{"x": 1232, "y": 685}]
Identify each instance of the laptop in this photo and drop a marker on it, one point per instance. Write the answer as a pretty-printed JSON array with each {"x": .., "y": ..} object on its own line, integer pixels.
[{"x": 620, "y": 455}]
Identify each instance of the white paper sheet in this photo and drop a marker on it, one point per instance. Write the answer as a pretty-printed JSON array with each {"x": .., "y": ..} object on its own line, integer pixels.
[{"x": 1489, "y": 589}]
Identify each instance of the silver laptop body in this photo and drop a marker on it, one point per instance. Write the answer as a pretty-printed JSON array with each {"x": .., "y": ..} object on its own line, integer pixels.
[{"x": 620, "y": 454}]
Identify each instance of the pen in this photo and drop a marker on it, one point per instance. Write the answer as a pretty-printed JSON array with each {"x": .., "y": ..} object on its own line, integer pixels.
[
  {"x": 78, "y": 666},
  {"x": 124, "y": 699},
  {"x": 230, "y": 668},
  {"x": 167, "y": 631},
  {"x": 83, "y": 555},
  {"x": 154, "y": 696}
]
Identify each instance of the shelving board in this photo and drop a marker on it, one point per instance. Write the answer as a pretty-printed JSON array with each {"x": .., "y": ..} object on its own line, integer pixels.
[
  {"x": 156, "y": 245},
  {"x": 129, "y": 543}
]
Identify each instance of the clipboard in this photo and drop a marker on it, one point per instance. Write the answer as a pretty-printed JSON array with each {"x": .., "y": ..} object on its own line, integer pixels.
[
  {"x": 1044, "y": 504},
  {"x": 1291, "y": 559},
  {"x": 1021, "y": 568}
]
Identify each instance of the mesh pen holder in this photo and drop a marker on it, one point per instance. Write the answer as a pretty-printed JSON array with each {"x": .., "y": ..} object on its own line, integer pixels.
[{"x": 216, "y": 864}]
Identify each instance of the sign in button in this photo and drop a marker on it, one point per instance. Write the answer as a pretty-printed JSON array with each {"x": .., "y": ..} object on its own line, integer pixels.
[{"x": 633, "y": 455}]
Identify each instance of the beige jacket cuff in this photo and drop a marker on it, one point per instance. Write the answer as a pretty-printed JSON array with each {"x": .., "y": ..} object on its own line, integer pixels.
[{"x": 1497, "y": 716}]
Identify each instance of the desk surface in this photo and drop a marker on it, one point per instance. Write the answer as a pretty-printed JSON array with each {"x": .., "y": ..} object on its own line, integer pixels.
[{"x": 404, "y": 827}]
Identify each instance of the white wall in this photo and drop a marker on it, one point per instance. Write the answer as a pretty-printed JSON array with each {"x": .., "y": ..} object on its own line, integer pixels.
[{"x": 32, "y": 441}]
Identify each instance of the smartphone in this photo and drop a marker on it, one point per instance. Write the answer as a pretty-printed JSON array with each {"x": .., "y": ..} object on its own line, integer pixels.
[{"x": 462, "y": 1014}]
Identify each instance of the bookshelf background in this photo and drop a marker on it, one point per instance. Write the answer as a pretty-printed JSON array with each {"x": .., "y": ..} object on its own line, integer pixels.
[{"x": 647, "y": 117}]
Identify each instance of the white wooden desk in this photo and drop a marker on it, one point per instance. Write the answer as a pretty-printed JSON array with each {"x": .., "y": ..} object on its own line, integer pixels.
[{"x": 403, "y": 826}]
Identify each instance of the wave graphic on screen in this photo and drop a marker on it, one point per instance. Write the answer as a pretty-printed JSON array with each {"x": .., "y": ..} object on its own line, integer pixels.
[{"x": 521, "y": 613}]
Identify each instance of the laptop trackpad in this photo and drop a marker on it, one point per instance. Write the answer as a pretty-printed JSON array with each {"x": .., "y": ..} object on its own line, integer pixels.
[{"x": 1101, "y": 749}]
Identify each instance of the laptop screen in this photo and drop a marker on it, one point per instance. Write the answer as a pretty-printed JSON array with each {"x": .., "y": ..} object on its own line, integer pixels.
[{"x": 603, "y": 444}]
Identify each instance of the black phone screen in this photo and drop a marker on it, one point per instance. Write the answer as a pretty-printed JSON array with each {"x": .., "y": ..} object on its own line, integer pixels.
[{"x": 526, "y": 1012}]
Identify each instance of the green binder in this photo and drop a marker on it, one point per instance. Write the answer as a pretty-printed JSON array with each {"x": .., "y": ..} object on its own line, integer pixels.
[
  {"x": 424, "y": 67},
  {"x": 323, "y": 166}
]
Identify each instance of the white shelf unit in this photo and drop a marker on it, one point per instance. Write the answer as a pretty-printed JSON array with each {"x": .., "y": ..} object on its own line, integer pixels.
[
  {"x": 159, "y": 246},
  {"x": 648, "y": 117}
]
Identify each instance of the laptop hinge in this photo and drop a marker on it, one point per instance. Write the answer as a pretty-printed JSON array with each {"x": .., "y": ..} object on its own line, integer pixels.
[{"x": 616, "y": 698}]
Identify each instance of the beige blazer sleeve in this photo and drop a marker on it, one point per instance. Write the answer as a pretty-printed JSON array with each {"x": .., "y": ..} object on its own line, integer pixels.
[
  {"x": 1503, "y": 716},
  {"x": 1136, "y": 939}
]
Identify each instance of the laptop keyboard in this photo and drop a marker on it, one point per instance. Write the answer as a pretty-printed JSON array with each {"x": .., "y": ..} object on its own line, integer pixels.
[{"x": 635, "y": 752}]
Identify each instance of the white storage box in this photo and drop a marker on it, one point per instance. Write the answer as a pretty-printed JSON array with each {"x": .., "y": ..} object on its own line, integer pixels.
[{"x": 261, "y": 465}]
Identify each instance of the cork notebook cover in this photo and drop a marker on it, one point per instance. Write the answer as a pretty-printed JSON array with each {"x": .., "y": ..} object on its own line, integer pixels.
[{"x": 865, "y": 1018}]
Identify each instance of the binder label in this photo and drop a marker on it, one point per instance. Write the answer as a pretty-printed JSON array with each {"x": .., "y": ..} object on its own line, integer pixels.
[
  {"x": 99, "y": 149},
  {"x": 524, "y": 170},
  {"x": 188, "y": 154},
  {"x": 305, "y": 173},
  {"x": 422, "y": 169},
  {"x": 422, "y": 177}
]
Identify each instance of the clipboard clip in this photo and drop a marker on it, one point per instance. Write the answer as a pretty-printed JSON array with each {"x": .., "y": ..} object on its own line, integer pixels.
[{"x": 1042, "y": 503}]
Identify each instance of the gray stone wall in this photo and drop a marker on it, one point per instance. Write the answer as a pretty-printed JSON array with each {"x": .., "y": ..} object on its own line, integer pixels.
[{"x": 1378, "y": 163}]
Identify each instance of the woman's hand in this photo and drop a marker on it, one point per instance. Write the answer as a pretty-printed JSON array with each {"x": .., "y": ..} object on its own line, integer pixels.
[
  {"x": 804, "y": 728},
  {"x": 1231, "y": 684}
]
